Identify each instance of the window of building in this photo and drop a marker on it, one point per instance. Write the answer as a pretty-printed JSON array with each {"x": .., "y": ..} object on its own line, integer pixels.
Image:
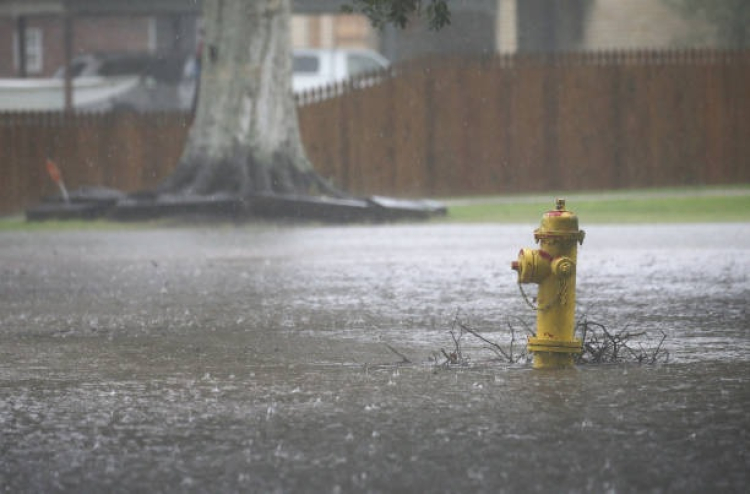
[
  {"x": 305, "y": 64},
  {"x": 34, "y": 51}
]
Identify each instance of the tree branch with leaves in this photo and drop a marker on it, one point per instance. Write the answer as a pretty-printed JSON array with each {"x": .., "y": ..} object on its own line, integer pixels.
[{"x": 400, "y": 12}]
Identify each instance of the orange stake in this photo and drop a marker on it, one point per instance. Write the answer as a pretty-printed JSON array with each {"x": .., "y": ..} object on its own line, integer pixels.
[{"x": 56, "y": 176}]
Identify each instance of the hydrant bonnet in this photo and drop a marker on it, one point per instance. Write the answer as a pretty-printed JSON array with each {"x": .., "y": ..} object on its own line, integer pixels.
[{"x": 559, "y": 225}]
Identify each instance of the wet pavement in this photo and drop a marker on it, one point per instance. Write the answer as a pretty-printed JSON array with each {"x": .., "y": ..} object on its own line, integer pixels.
[{"x": 256, "y": 359}]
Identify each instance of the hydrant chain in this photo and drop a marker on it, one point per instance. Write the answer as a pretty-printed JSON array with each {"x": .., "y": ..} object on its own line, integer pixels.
[{"x": 559, "y": 298}]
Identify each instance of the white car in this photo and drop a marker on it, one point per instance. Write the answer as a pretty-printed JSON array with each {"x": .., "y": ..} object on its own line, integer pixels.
[
  {"x": 89, "y": 93},
  {"x": 313, "y": 68}
]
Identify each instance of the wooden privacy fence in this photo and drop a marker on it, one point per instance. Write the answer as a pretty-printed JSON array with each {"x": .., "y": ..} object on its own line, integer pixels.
[
  {"x": 534, "y": 123},
  {"x": 449, "y": 127},
  {"x": 126, "y": 151}
]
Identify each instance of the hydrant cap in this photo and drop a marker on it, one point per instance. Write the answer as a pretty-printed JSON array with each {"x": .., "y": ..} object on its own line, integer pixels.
[
  {"x": 559, "y": 223},
  {"x": 559, "y": 219}
]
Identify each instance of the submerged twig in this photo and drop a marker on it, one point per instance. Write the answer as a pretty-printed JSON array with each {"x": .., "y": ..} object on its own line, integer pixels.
[
  {"x": 599, "y": 345},
  {"x": 456, "y": 356},
  {"x": 493, "y": 346},
  {"x": 529, "y": 330},
  {"x": 404, "y": 358},
  {"x": 457, "y": 331}
]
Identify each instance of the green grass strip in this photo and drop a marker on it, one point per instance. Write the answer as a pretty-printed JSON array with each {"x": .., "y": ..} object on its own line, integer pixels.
[
  {"x": 680, "y": 205},
  {"x": 700, "y": 208}
]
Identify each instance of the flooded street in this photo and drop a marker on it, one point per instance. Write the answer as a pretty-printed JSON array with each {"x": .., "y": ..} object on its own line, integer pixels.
[{"x": 261, "y": 359}]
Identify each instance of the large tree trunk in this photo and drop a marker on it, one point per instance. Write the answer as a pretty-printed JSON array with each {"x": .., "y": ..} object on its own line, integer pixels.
[{"x": 245, "y": 137}]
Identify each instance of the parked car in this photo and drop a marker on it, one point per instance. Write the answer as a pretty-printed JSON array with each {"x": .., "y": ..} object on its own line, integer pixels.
[
  {"x": 320, "y": 67},
  {"x": 48, "y": 94},
  {"x": 158, "y": 80}
]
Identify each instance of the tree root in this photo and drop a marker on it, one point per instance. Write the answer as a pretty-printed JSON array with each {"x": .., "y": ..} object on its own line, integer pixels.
[{"x": 244, "y": 176}]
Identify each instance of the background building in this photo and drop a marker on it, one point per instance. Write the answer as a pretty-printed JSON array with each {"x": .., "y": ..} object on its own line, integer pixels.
[{"x": 171, "y": 28}]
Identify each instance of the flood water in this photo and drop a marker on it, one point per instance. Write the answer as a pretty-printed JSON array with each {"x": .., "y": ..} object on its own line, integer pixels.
[{"x": 259, "y": 359}]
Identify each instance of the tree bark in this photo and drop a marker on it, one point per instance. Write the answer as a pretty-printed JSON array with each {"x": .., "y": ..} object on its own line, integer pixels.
[{"x": 245, "y": 138}]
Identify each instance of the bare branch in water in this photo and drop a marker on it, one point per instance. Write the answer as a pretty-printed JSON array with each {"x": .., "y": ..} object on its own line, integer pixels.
[
  {"x": 404, "y": 358},
  {"x": 603, "y": 346}
]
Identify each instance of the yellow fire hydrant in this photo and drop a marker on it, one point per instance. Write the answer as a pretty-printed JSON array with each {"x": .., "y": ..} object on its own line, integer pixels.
[{"x": 553, "y": 267}]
